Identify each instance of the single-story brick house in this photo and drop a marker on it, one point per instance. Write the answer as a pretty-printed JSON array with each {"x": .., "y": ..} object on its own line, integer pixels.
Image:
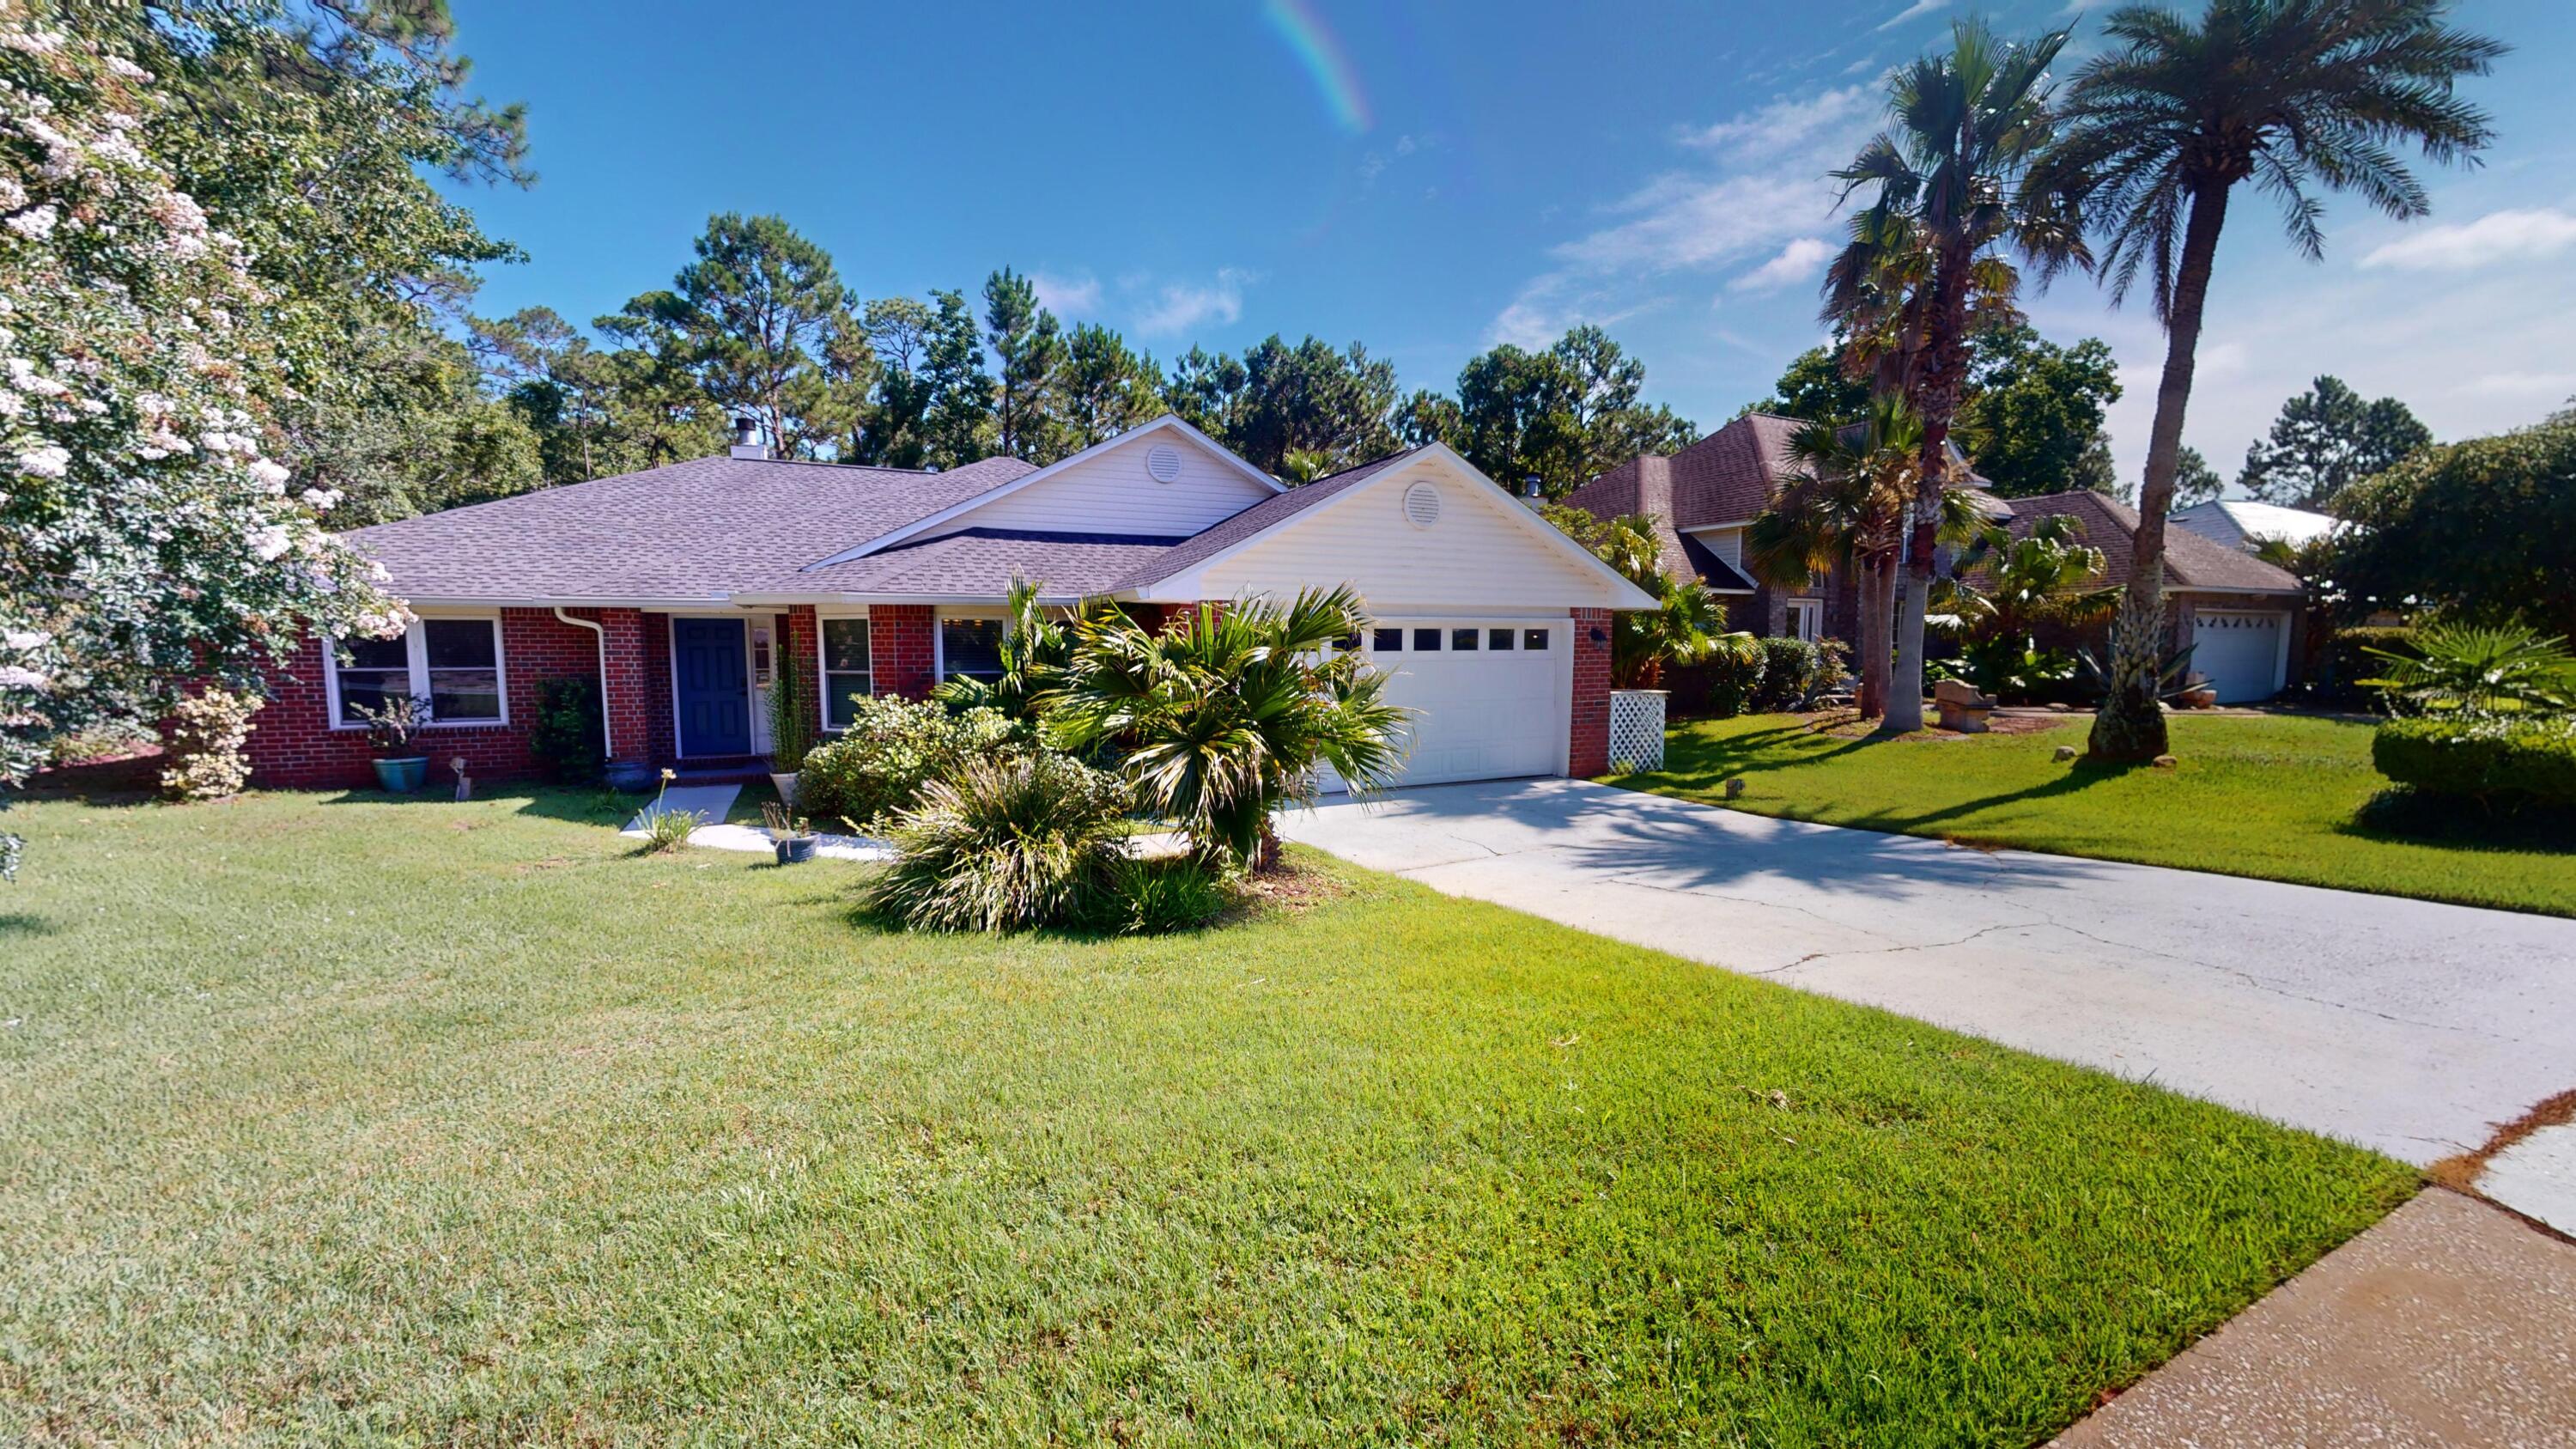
[
  {"x": 2245, "y": 619},
  {"x": 678, "y": 587}
]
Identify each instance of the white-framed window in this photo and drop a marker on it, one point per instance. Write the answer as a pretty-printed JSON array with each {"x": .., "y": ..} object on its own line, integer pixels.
[
  {"x": 970, "y": 644},
  {"x": 1807, "y": 619},
  {"x": 845, "y": 668},
  {"x": 453, "y": 661}
]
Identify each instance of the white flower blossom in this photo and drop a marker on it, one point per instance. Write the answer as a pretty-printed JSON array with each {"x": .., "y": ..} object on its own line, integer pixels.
[
  {"x": 36, "y": 225},
  {"x": 11, "y": 405},
  {"x": 272, "y": 475},
  {"x": 45, "y": 462},
  {"x": 127, "y": 69},
  {"x": 24, "y": 377},
  {"x": 321, "y": 500},
  {"x": 33, "y": 42},
  {"x": 270, "y": 543},
  {"x": 26, "y": 640},
  {"x": 14, "y": 676}
]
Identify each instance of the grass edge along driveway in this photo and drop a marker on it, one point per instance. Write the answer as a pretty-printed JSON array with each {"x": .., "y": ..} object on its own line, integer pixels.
[
  {"x": 2271, "y": 798},
  {"x": 336, "y": 1119}
]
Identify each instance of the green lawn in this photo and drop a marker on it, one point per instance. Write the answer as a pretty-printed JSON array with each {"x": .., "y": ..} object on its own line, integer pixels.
[
  {"x": 356, "y": 1120},
  {"x": 2272, "y": 797}
]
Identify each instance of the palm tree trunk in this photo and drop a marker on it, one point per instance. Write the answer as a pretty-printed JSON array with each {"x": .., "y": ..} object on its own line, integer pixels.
[
  {"x": 1877, "y": 614},
  {"x": 1942, "y": 380},
  {"x": 2131, "y": 723}
]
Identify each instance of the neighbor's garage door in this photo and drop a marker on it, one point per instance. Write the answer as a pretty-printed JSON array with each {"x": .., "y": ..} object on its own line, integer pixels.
[
  {"x": 2239, "y": 652},
  {"x": 1489, "y": 696}
]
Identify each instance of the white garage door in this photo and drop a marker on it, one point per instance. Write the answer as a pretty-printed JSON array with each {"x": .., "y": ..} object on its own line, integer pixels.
[
  {"x": 2239, "y": 653},
  {"x": 1489, "y": 696}
]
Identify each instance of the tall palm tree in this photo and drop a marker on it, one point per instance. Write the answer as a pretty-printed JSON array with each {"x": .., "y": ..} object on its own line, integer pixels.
[
  {"x": 2157, "y": 133},
  {"x": 1950, "y": 178}
]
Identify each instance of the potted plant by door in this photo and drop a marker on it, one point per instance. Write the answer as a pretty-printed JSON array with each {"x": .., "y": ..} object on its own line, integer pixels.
[
  {"x": 791, "y": 724},
  {"x": 791, "y": 836},
  {"x": 391, "y": 729}
]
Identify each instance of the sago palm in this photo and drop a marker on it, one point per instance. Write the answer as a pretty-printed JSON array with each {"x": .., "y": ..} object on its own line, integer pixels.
[
  {"x": 1223, "y": 722},
  {"x": 2156, "y": 134},
  {"x": 1949, "y": 178}
]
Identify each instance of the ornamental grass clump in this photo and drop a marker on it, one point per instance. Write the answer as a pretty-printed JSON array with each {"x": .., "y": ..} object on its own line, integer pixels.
[{"x": 1007, "y": 843}]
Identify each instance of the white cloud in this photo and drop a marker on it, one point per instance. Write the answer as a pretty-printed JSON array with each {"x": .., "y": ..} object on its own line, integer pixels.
[
  {"x": 1067, "y": 296},
  {"x": 1919, "y": 7},
  {"x": 2495, "y": 237},
  {"x": 1796, "y": 263},
  {"x": 2546, "y": 385},
  {"x": 1785, "y": 122},
  {"x": 1179, "y": 306},
  {"x": 1551, "y": 304},
  {"x": 1374, "y": 164}
]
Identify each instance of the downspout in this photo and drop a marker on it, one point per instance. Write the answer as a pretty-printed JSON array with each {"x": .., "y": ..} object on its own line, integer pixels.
[{"x": 607, "y": 732}]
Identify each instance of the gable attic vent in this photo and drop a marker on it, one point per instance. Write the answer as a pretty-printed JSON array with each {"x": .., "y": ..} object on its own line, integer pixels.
[
  {"x": 1422, "y": 505},
  {"x": 1163, "y": 461}
]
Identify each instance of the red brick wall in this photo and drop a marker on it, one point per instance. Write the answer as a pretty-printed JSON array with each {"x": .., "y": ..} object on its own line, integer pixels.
[
  {"x": 1589, "y": 751},
  {"x": 899, "y": 649},
  {"x": 803, "y": 641},
  {"x": 293, "y": 745},
  {"x": 651, "y": 701}
]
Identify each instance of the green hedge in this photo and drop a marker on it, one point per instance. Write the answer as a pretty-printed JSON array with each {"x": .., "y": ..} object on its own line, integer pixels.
[
  {"x": 2485, "y": 758},
  {"x": 2348, "y": 661}
]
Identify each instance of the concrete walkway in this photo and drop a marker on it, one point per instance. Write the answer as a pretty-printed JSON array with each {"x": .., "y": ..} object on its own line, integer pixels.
[
  {"x": 2403, "y": 1025},
  {"x": 2448, "y": 1323}
]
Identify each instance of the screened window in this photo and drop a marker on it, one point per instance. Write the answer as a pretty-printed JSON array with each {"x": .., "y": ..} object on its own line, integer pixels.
[
  {"x": 378, "y": 670},
  {"x": 1426, "y": 641},
  {"x": 845, "y": 670},
  {"x": 464, "y": 668},
  {"x": 1465, "y": 640},
  {"x": 971, "y": 647},
  {"x": 455, "y": 664},
  {"x": 1387, "y": 641},
  {"x": 1498, "y": 639},
  {"x": 1533, "y": 638}
]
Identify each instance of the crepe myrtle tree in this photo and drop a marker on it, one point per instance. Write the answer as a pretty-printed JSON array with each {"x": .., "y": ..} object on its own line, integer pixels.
[{"x": 147, "y": 540}]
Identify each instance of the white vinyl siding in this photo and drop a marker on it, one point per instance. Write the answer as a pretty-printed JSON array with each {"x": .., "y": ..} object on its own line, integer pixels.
[
  {"x": 1726, "y": 543},
  {"x": 1114, "y": 494},
  {"x": 1476, "y": 556}
]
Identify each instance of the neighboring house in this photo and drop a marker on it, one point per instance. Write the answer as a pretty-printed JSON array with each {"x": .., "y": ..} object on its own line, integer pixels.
[
  {"x": 2242, "y": 616},
  {"x": 1702, "y": 498},
  {"x": 677, "y": 587},
  {"x": 2245, "y": 524}
]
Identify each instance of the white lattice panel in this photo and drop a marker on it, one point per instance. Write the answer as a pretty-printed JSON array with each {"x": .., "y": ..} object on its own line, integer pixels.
[{"x": 1636, "y": 730}]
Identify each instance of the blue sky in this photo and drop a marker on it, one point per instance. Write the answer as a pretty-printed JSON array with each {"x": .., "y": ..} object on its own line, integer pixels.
[{"x": 1432, "y": 176}]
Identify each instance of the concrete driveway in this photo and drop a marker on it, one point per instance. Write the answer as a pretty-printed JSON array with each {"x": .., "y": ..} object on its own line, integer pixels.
[{"x": 2403, "y": 1025}]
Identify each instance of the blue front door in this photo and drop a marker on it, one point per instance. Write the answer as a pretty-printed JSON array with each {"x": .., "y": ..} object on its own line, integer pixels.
[{"x": 707, "y": 657}]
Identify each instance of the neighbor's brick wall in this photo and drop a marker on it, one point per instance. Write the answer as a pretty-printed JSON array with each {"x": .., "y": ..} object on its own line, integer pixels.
[
  {"x": 1589, "y": 752},
  {"x": 651, "y": 701},
  {"x": 292, "y": 743},
  {"x": 899, "y": 649}
]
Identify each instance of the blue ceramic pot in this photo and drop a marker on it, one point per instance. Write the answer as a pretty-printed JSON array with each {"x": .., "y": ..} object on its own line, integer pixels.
[
  {"x": 634, "y": 777},
  {"x": 402, "y": 777}
]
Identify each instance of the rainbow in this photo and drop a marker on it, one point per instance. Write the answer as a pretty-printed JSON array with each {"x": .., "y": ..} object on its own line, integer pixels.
[{"x": 1325, "y": 61}]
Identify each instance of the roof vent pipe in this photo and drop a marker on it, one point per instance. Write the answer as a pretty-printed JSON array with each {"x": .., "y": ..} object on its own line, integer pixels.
[
  {"x": 746, "y": 437},
  {"x": 1530, "y": 491}
]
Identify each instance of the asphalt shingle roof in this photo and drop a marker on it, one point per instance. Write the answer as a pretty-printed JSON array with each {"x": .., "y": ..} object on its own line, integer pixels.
[
  {"x": 981, "y": 563},
  {"x": 2191, "y": 561},
  {"x": 695, "y": 530}
]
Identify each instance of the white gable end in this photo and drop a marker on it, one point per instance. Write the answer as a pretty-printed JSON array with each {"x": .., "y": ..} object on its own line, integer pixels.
[
  {"x": 1158, "y": 484},
  {"x": 1420, "y": 537}
]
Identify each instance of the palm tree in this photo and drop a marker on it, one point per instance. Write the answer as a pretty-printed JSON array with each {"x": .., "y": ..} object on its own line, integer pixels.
[
  {"x": 1036, "y": 647},
  {"x": 2156, "y": 135},
  {"x": 1686, "y": 626},
  {"x": 2046, "y": 576},
  {"x": 1845, "y": 511},
  {"x": 1950, "y": 178},
  {"x": 1223, "y": 723}
]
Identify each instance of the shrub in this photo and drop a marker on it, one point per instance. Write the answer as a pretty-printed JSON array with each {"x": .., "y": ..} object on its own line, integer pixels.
[
  {"x": 565, "y": 738},
  {"x": 791, "y": 712},
  {"x": 1795, "y": 671},
  {"x": 1151, "y": 897},
  {"x": 207, "y": 733},
  {"x": 2487, "y": 758},
  {"x": 1003, "y": 844},
  {"x": 2477, "y": 668},
  {"x": 877, "y": 768},
  {"x": 666, "y": 829},
  {"x": 1732, "y": 682},
  {"x": 2353, "y": 655}
]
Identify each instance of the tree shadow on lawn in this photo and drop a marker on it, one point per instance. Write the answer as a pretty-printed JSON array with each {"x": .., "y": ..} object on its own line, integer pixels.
[
  {"x": 19, "y": 923},
  {"x": 2081, "y": 776},
  {"x": 1704, "y": 764}
]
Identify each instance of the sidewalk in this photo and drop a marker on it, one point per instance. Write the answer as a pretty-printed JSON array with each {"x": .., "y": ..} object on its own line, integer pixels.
[{"x": 2449, "y": 1323}]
